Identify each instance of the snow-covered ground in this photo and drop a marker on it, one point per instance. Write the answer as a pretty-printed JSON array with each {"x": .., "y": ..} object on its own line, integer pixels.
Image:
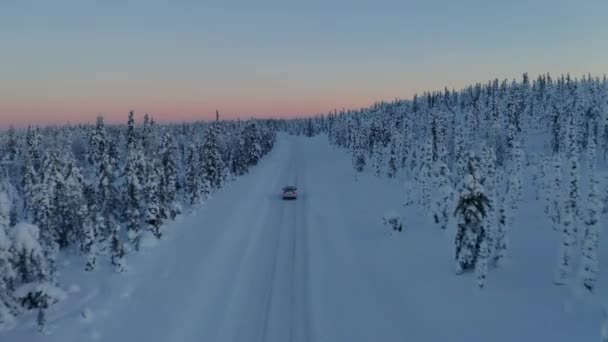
[{"x": 249, "y": 266}]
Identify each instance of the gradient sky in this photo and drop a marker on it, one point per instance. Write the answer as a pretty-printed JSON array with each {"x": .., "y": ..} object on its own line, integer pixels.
[{"x": 69, "y": 60}]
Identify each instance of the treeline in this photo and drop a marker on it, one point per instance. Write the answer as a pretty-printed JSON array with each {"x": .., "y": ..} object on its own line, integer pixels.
[
  {"x": 466, "y": 154},
  {"x": 96, "y": 190}
]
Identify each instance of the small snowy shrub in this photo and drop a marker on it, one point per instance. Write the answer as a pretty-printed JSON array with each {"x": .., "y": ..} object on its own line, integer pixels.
[
  {"x": 37, "y": 295},
  {"x": 393, "y": 220}
]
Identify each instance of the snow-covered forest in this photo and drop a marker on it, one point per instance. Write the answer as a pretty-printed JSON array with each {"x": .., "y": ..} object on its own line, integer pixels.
[
  {"x": 97, "y": 191},
  {"x": 479, "y": 166},
  {"x": 467, "y": 157}
]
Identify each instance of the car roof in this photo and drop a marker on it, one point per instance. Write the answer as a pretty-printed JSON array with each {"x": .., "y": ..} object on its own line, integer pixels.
[{"x": 289, "y": 188}]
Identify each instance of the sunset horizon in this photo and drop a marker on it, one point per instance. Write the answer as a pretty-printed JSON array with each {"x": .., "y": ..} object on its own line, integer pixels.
[
  {"x": 24, "y": 118},
  {"x": 68, "y": 61}
]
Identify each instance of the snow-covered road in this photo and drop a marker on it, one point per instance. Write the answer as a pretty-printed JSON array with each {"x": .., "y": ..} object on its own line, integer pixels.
[{"x": 251, "y": 267}]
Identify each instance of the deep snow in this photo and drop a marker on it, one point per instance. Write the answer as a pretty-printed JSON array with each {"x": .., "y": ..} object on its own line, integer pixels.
[{"x": 248, "y": 266}]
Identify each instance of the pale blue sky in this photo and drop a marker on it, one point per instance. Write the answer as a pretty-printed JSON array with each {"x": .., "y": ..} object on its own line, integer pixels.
[{"x": 69, "y": 60}]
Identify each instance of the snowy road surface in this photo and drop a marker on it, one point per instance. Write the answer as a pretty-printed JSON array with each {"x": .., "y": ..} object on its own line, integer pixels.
[{"x": 249, "y": 266}]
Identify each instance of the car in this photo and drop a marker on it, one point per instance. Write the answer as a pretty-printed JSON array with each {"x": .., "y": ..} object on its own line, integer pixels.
[{"x": 290, "y": 192}]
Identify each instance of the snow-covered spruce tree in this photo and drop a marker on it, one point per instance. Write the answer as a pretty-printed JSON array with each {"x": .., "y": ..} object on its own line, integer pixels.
[
  {"x": 553, "y": 190},
  {"x": 426, "y": 177},
  {"x": 508, "y": 201},
  {"x": 535, "y": 167},
  {"x": 238, "y": 160},
  {"x": 133, "y": 191},
  {"x": 29, "y": 185},
  {"x": 44, "y": 214},
  {"x": 378, "y": 159},
  {"x": 489, "y": 181},
  {"x": 192, "y": 182},
  {"x": 12, "y": 144},
  {"x": 211, "y": 160},
  {"x": 589, "y": 267},
  {"x": 8, "y": 304},
  {"x": 406, "y": 144},
  {"x": 393, "y": 160},
  {"x": 147, "y": 135},
  {"x": 32, "y": 142},
  {"x": 62, "y": 209},
  {"x": 516, "y": 159},
  {"x": 36, "y": 289},
  {"x": 116, "y": 246},
  {"x": 97, "y": 142},
  {"x": 544, "y": 183},
  {"x": 500, "y": 240},
  {"x": 153, "y": 219},
  {"x": 358, "y": 154},
  {"x": 251, "y": 149},
  {"x": 471, "y": 237},
  {"x": 169, "y": 183},
  {"x": 131, "y": 129},
  {"x": 443, "y": 198},
  {"x": 569, "y": 229},
  {"x": 459, "y": 159},
  {"x": 87, "y": 238},
  {"x": 106, "y": 205},
  {"x": 76, "y": 215}
]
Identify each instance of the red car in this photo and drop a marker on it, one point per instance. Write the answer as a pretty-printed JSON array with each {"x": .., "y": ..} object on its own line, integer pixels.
[{"x": 289, "y": 192}]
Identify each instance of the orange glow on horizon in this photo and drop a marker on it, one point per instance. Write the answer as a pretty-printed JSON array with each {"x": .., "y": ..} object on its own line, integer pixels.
[{"x": 55, "y": 111}]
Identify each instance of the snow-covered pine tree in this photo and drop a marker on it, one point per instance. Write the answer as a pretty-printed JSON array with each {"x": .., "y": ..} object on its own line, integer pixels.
[
  {"x": 589, "y": 267},
  {"x": 471, "y": 237}
]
